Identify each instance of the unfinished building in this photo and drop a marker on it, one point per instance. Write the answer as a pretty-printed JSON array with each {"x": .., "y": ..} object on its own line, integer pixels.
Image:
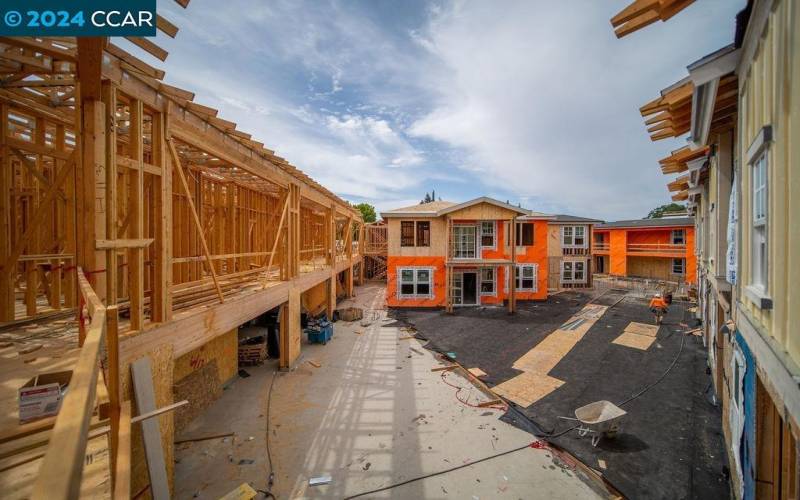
[{"x": 161, "y": 228}]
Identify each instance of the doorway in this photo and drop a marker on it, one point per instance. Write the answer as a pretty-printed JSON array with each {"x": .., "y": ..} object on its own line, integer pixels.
[{"x": 469, "y": 289}]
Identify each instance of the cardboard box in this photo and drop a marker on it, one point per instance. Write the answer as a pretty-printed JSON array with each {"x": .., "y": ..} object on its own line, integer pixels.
[{"x": 41, "y": 396}]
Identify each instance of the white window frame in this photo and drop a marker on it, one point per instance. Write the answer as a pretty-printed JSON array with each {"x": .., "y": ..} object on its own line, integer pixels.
[
  {"x": 572, "y": 266},
  {"x": 416, "y": 282},
  {"x": 571, "y": 232},
  {"x": 759, "y": 196},
  {"x": 519, "y": 274},
  {"x": 682, "y": 233},
  {"x": 683, "y": 266},
  {"x": 481, "y": 281},
  {"x": 492, "y": 224},
  {"x": 457, "y": 245}
]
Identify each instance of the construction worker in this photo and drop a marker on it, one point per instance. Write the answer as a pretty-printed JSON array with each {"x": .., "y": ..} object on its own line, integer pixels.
[{"x": 658, "y": 306}]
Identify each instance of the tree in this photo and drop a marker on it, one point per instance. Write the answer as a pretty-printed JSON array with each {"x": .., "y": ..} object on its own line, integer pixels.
[
  {"x": 367, "y": 212},
  {"x": 659, "y": 212},
  {"x": 428, "y": 198}
]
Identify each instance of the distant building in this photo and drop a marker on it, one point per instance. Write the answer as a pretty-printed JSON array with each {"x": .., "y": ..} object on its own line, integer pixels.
[
  {"x": 445, "y": 254},
  {"x": 660, "y": 249},
  {"x": 569, "y": 251}
]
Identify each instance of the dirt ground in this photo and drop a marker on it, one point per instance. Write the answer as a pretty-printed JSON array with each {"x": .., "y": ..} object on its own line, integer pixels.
[
  {"x": 670, "y": 444},
  {"x": 371, "y": 414}
]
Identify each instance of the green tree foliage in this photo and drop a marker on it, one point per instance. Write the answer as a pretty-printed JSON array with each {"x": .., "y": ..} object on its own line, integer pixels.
[
  {"x": 367, "y": 212},
  {"x": 659, "y": 212}
]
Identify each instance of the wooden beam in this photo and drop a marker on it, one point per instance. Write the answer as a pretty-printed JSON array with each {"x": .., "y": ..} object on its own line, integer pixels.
[
  {"x": 166, "y": 27},
  {"x": 42, "y": 47},
  {"x": 66, "y": 453},
  {"x": 178, "y": 168},
  {"x": 277, "y": 238},
  {"x": 122, "y": 463},
  {"x": 90, "y": 65},
  {"x": 136, "y": 209},
  {"x": 149, "y": 47},
  {"x": 123, "y": 243}
]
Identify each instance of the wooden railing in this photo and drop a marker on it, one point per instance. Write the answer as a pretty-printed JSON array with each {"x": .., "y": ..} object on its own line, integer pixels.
[
  {"x": 668, "y": 248},
  {"x": 601, "y": 247},
  {"x": 63, "y": 462}
]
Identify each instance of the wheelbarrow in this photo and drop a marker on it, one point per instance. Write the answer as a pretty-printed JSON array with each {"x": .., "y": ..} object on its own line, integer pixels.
[{"x": 600, "y": 419}]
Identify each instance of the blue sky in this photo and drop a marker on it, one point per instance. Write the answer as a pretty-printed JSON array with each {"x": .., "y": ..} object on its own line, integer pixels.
[{"x": 535, "y": 102}]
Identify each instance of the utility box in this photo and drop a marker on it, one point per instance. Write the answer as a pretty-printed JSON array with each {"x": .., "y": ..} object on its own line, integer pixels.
[{"x": 41, "y": 396}]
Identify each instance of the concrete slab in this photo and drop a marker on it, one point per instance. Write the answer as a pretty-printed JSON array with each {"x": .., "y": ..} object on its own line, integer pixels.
[{"x": 371, "y": 415}]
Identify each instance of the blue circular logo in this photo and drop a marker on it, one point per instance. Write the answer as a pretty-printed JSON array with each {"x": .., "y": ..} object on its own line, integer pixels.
[{"x": 13, "y": 18}]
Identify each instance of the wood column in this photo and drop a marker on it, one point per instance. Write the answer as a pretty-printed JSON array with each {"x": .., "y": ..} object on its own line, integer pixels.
[
  {"x": 136, "y": 209},
  {"x": 512, "y": 277},
  {"x": 6, "y": 178},
  {"x": 161, "y": 299},
  {"x": 290, "y": 330}
]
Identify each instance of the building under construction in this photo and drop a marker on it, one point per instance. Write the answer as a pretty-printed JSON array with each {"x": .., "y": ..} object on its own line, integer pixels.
[{"x": 161, "y": 228}]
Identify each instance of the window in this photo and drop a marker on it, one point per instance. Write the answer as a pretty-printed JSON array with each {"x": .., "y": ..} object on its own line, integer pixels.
[
  {"x": 524, "y": 234},
  {"x": 760, "y": 202},
  {"x": 415, "y": 282},
  {"x": 525, "y": 275},
  {"x": 487, "y": 234},
  {"x": 573, "y": 271},
  {"x": 464, "y": 242},
  {"x": 678, "y": 266},
  {"x": 407, "y": 233},
  {"x": 423, "y": 233},
  {"x": 573, "y": 236},
  {"x": 487, "y": 281},
  {"x": 678, "y": 237},
  {"x": 580, "y": 236}
]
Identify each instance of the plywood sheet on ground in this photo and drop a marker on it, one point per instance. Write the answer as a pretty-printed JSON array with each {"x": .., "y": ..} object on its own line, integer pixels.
[
  {"x": 550, "y": 351},
  {"x": 477, "y": 372},
  {"x": 628, "y": 339},
  {"x": 527, "y": 388},
  {"x": 642, "y": 329}
]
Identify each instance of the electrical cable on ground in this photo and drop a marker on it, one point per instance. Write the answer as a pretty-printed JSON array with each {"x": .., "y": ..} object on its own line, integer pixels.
[
  {"x": 271, "y": 478},
  {"x": 534, "y": 444}
]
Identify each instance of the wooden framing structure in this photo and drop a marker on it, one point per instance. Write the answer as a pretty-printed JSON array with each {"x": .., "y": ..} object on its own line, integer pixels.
[
  {"x": 641, "y": 13},
  {"x": 160, "y": 224}
]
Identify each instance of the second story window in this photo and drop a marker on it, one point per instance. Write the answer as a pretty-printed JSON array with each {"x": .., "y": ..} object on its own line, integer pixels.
[
  {"x": 760, "y": 202},
  {"x": 407, "y": 233},
  {"x": 524, "y": 234},
  {"x": 487, "y": 234},
  {"x": 415, "y": 233},
  {"x": 573, "y": 236},
  {"x": 423, "y": 233},
  {"x": 678, "y": 266},
  {"x": 678, "y": 237}
]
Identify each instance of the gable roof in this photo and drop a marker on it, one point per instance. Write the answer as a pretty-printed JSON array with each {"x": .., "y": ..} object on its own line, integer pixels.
[
  {"x": 639, "y": 223},
  {"x": 484, "y": 199},
  {"x": 566, "y": 219},
  {"x": 430, "y": 209}
]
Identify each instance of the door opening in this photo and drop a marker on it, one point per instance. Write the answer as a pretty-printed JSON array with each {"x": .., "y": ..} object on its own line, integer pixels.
[{"x": 469, "y": 289}]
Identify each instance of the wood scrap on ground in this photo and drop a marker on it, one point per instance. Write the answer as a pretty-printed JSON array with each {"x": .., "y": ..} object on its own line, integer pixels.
[
  {"x": 477, "y": 372},
  {"x": 313, "y": 363},
  {"x": 634, "y": 340},
  {"x": 204, "y": 438},
  {"x": 243, "y": 492},
  {"x": 527, "y": 388},
  {"x": 442, "y": 368}
]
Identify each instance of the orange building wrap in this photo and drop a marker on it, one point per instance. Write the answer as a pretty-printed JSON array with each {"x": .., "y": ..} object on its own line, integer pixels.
[
  {"x": 439, "y": 281},
  {"x": 618, "y": 252},
  {"x": 691, "y": 258}
]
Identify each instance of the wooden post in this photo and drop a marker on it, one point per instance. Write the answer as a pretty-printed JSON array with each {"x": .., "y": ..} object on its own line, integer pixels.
[
  {"x": 293, "y": 228},
  {"x": 113, "y": 382},
  {"x": 512, "y": 277},
  {"x": 136, "y": 210},
  {"x": 6, "y": 181},
  {"x": 161, "y": 299},
  {"x": 331, "y": 295},
  {"x": 290, "y": 330},
  {"x": 110, "y": 104}
]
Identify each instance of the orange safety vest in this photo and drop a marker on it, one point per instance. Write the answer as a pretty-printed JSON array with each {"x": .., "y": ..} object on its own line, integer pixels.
[{"x": 658, "y": 302}]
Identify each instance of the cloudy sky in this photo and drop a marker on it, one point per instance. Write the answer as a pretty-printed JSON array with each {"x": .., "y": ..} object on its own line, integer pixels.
[{"x": 535, "y": 102}]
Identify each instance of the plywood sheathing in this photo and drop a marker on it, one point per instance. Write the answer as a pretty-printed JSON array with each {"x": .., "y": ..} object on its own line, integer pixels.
[
  {"x": 535, "y": 383},
  {"x": 162, "y": 362},
  {"x": 638, "y": 336},
  {"x": 200, "y": 375}
]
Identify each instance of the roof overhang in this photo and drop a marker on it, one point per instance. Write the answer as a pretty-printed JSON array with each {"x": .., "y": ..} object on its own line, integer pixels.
[
  {"x": 483, "y": 199},
  {"x": 705, "y": 75}
]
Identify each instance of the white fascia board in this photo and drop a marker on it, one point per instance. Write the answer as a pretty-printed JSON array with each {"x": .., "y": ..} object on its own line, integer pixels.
[{"x": 705, "y": 75}]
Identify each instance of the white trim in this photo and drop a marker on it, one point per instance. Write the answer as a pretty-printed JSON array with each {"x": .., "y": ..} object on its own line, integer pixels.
[
  {"x": 415, "y": 270},
  {"x": 482, "y": 199},
  {"x": 572, "y": 263},
  {"x": 493, "y": 246},
  {"x": 494, "y": 282},
  {"x": 521, "y": 267}
]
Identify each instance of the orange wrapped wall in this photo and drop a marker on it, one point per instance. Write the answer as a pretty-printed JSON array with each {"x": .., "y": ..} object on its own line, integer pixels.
[
  {"x": 691, "y": 258},
  {"x": 439, "y": 281},
  {"x": 618, "y": 252}
]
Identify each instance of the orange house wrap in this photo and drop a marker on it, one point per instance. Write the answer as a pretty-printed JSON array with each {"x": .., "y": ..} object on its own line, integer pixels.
[
  {"x": 648, "y": 248},
  {"x": 443, "y": 254}
]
